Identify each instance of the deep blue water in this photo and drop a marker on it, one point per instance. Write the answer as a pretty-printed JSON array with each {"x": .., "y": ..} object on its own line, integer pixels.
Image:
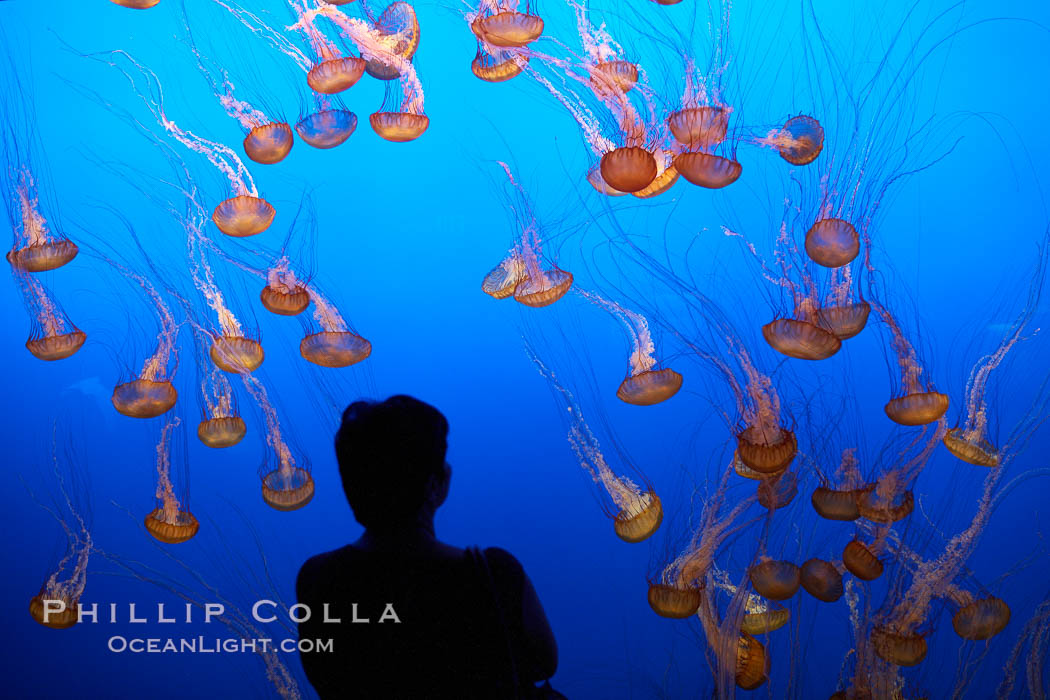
[{"x": 405, "y": 233}]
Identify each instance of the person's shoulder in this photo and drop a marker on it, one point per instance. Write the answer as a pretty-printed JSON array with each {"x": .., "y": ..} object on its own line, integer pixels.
[
  {"x": 320, "y": 567},
  {"x": 503, "y": 560}
]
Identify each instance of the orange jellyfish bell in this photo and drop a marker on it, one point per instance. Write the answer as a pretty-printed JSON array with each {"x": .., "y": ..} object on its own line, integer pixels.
[
  {"x": 977, "y": 451},
  {"x": 800, "y": 339},
  {"x": 55, "y": 620},
  {"x": 765, "y": 622},
  {"x": 804, "y": 140},
  {"x": 553, "y": 286},
  {"x": 752, "y": 664},
  {"x": 860, "y": 561},
  {"x": 666, "y": 176},
  {"x": 398, "y": 20},
  {"x": 832, "y": 242},
  {"x": 334, "y": 348},
  {"x": 706, "y": 170},
  {"x": 136, "y": 4},
  {"x": 501, "y": 281},
  {"x": 918, "y": 408},
  {"x": 835, "y": 505},
  {"x": 327, "y": 128},
  {"x": 399, "y": 126},
  {"x": 873, "y": 508},
  {"x": 981, "y": 619},
  {"x": 638, "y": 524},
  {"x": 336, "y": 74},
  {"x": 776, "y": 580},
  {"x": 766, "y": 457},
  {"x": 243, "y": 216},
  {"x": 594, "y": 177},
  {"x": 898, "y": 648},
  {"x": 288, "y": 490},
  {"x": 287, "y": 301},
  {"x": 182, "y": 530},
  {"x": 269, "y": 143},
  {"x": 223, "y": 431},
  {"x": 822, "y": 580},
  {"x": 699, "y": 128},
  {"x": 508, "y": 29},
  {"x": 674, "y": 602},
  {"x": 144, "y": 398},
  {"x": 621, "y": 75},
  {"x": 44, "y": 256},
  {"x": 56, "y": 347},
  {"x": 778, "y": 490},
  {"x": 844, "y": 321},
  {"x": 496, "y": 69},
  {"x": 628, "y": 169},
  {"x": 236, "y": 354},
  {"x": 649, "y": 387}
]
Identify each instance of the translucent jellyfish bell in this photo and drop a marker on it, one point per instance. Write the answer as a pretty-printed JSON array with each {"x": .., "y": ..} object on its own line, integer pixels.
[
  {"x": 699, "y": 128},
  {"x": 243, "y": 216},
  {"x": 766, "y": 457},
  {"x": 334, "y": 348},
  {"x": 543, "y": 292},
  {"x": 44, "y": 256},
  {"x": 621, "y": 75},
  {"x": 327, "y": 128},
  {"x": 800, "y": 339},
  {"x": 507, "y": 29},
  {"x": 977, "y": 451},
  {"x": 144, "y": 398},
  {"x": 901, "y": 649},
  {"x": 285, "y": 302},
  {"x": 628, "y": 169},
  {"x": 399, "y": 21},
  {"x": 236, "y": 354},
  {"x": 594, "y": 177},
  {"x": 269, "y": 143},
  {"x": 766, "y": 621},
  {"x": 184, "y": 527},
  {"x": 804, "y": 137},
  {"x": 136, "y": 4},
  {"x": 55, "y": 620},
  {"x": 876, "y": 510},
  {"x": 832, "y": 242},
  {"x": 639, "y": 523},
  {"x": 649, "y": 387},
  {"x": 496, "y": 69},
  {"x": 673, "y": 602},
  {"x": 222, "y": 431},
  {"x": 335, "y": 75},
  {"x": 399, "y": 126},
  {"x": 707, "y": 170},
  {"x": 844, "y": 321},
  {"x": 56, "y": 347},
  {"x": 778, "y": 490},
  {"x": 752, "y": 664},
  {"x": 982, "y": 619},
  {"x": 287, "y": 490},
  {"x": 776, "y": 580},
  {"x": 918, "y": 408}
]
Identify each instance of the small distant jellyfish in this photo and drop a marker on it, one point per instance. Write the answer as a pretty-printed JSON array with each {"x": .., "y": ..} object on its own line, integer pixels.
[
  {"x": 832, "y": 242},
  {"x": 799, "y": 141},
  {"x": 775, "y": 580},
  {"x": 53, "y": 336},
  {"x": 36, "y": 248},
  {"x": 616, "y": 74},
  {"x": 890, "y": 507},
  {"x": 170, "y": 522},
  {"x": 822, "y": 580},
  {"x": 498, "y": 23},
  {"x": 860, "y": 560}
]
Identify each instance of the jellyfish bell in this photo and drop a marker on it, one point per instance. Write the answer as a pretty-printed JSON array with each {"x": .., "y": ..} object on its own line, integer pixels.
[
  {"x": 336, "y": 74},
  {"x": 269, "y": 143},
  {"x": 884, "y": 510},
  {"x": 136, "y": 4},
  {"x": 752, "y": 664},
  {"x": 243, "y": 215},
  {"x": 287, "y": 490},
  {"x": 56, "y": 620},
  {"x": 800, "y": 339},
  {"x": 638, "y": 522},
  {"x": 399, "y": 127},
  {"x": 649, "y": 387},
  {"x": 674, "y": 602},
  {"x": 537, "y": 293},
  {"x": 982, "y": 619},
  {"x": 776, "y": 580},
  {"x": 699, "y": 128},
  {"x": 821, "y": 580},
  {"x": 222, "y": 431},
  {"x": 334, "y": 348},
  {"x": 501, "y": 281},
  {"x": 832, "y": 242},
  {"x": 171, "y": 529},
  {"x": 56, "y": 347},
  {"x": 236, "y": 353},
  {"x": 507, "y": 29},
  {"x": 707, "y": 170},
  {"x": 764, "y": 622},
  {"x": 977, "y": 451},
  {"x": 284, "y": 300},
  {"x": 900, "y": 649},
  {"x": 621, "y": 75},
  {"x": 766, "y": 457},
  {"x": 594, "y": 177},
  {"x": 745, "y": 471},
  {"x": 497, "y": 68},
  {"x": 844, "y": 321},
  {"x": 860, "y": 561},
  {"x": 918, "y": 408},
  {"x": 778, "y": 490},
  {"x": 399, "y": 27},
  {"x": 801, "y": 140},
  {"x": 665, "y": 178},
  {"x": 628, "y": 169},
  {"x": 43, "y": 256},
  {"x": 326, "y": 128},
  {"x": 144, "y": 398}
]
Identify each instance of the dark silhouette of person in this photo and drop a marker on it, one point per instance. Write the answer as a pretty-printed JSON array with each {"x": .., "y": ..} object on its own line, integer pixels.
[{"x": 443, "y": 622}]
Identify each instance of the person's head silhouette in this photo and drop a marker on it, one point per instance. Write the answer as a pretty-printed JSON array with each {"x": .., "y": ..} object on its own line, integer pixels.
[{"x": 392, "y": 462}]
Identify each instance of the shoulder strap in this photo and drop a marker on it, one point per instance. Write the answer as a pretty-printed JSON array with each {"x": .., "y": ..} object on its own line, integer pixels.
[{"x": 481, "y": 563}]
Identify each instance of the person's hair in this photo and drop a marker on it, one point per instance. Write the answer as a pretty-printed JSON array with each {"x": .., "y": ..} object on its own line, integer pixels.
[{"x": 387, "y": 451}]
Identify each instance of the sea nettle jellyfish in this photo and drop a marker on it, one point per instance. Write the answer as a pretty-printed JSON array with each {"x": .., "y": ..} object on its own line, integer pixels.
[
  {"x": 497, "y": 67},
  {"x": 918, "y": 403},
  {"x": 635, "y": 509},
  {"x": 221, "y": 424},
  {"x": 151, "y": 393},
  {"x": 336, "y": 344},
  {"x": 838, "y": 500},
  {"x": 500, "y": 23},
  {"x": 284, "y": 294},
  {"x": 136, "y": 4},
  {"x": 171, "y": 521},
  {"x": 53, "y": 336},
  {"x": 287, "y": 485},
  {"x": 36, "y": 248},
  {"x": 799, "y": 141},
  {"x": 646, "y": 383},
  {"x": 700, "y": 126},
  {"x": 334, "y": 68}
]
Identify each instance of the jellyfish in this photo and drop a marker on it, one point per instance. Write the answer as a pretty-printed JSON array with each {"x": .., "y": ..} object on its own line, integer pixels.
[
  {"x": 777, "y": 490},
  {"x": 53, "y": 336},
  {"x": 499, "y": 23},
  {"x": 799, "y": 141},
  {"x": 839, "y": 501},
  {"x": 646, "y": 384},
  {"x": 822, "y": 580},
  {"x": 397, "y": 29},
  {"x": 700, "y": 125},
  {"x": 334, "y": 69},
  {"x": 981, "y": 619},
  {"x": 336, "y": 344},
  {"x": 497, "y": 67},
  {"x": 635, "y": 509},
  {"x": 151, "y": 393},
  {"x": 775, "y": 580},
  {"x": 243, "y": 214},
  {"x": 861, "y": 561},
  {"x": 170, "y": 522},
  {"x": 36, "y": 247},
  {"x": 220, "y": 425},
  {"x": 136, "y": 4},
  {"x": 918, "y": 403},
  {"x": 284, "y": 294}
]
